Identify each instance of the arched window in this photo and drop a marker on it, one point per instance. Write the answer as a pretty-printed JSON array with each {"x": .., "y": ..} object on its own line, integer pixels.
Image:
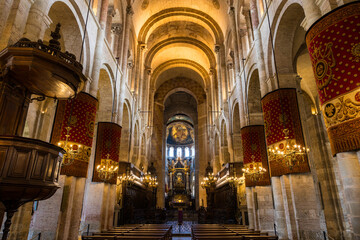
[
  {"x": 178, "y": 152},
  {"x": 171, "y": 152},
  {"x": 193, "y": 151},
  {"x": 187, "y": 152}
]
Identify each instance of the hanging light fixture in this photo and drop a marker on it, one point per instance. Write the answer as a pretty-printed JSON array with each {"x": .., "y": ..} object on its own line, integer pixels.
[
  {"x": 153, "y": 182},
  {"x": 287, "y": 151},
  {"x": 149, "y": 181},
  {"x": 107, "y": 169},
  {"x": 252, "y": 145},
  {"x": 73, "y": 131},
  {"x": 106, "y": 162},
  {"x": 126, "y": 178},
  {"x": 146, "y": 178},
  {"x": 254, "y": 170},
  {"x": 235, "y": 181},
  {"x": 209, "y": 181}
]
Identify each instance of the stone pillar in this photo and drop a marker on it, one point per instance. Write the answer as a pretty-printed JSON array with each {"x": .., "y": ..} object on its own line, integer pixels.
[
  {"x": 16, "y": 20},
  {"x": 246, "y": 13},
  {"x": 349, "y": 177},
  {"x": 312, "y": 13},
  {"x": 37, "y": 22},
  {"x": 20, "y": 222},
  {"x": 265, "y": 211},
  {"x": 99, "y": 48},
  {"x": 250, "y": 207},
  {"x": 71, "y": 206},
  {"x": 46, "y": 217},
  {"x": 116, "y": 29},
  {"x": 140, "y": 83},
  {"x": 238, "y": 82},
  {"x": 302, "y": 212},
  {"x": 279, "y": 214},
  {"x": 230, "y": 67},
  {"x": 128, "y": 22},
  {"x": 201, "y": 154},
  {"x": 5, "y": 7},
  {"x": 110, "y": 15},
  {"x": 145, "y": 91},
  {"x": 214, "y": 105},
  {"x": 219, "y": 76},
  {"x": 258, "y": 48}
]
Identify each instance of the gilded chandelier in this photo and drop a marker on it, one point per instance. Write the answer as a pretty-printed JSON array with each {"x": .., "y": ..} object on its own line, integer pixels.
[
  {"x": 290, "y": 154},
  {"x": 254, "y": 170},
  {"x": 72, "y": 150},
  {"x": 235, "y": 181},
  {"x": 149, "y": 180},
  {"x": 126, "y": 178},
  {"x": 208, "y": 181},
  {"x": 107, "y": 169}
]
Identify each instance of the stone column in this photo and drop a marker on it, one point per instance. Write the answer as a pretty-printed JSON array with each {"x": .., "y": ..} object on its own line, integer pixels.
[
  {"x": 5, "y": 7},
  {"x": 219, "y": 75},
  {"x": 214, "y": 104},
  {"x": 230, "y": 67},
  {"x": 246, "y": 13},
  {"x": 14, "y": 27},
  {"x": 312, "y": 13},
  {"x": 279, "y": 214},
  {"x": 201, "y": 155},
  {"x": 99, "y": 48},
  {"x": 145, "y": 91},
  {"x": 349, "y": 176},
  {"x": 46, "y": 217},
  {"x": 140, "y": 83},
  {"x": 70, "y": 211},
  {"x": 240, "y": 91},
  {"x": 128, "y": 22},
  {"x": 110, "y": 15},
  {"x": 258, "y": 48},
  {"x": 37, "y": 22},
  {"x": 265, "y": 211},
  {"x": 116, "y": 29},
  {"x": 250, "y": 207}
]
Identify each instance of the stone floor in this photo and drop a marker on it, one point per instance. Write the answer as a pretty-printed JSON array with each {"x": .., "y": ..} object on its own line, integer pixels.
[{"x": 185, "y": 228}]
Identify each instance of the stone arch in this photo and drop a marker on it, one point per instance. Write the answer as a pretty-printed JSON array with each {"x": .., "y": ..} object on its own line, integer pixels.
[
  {"x": 217, "y": 161},
  {"x": 286, "y": 29},
  {"x": 69, "y": 15},
  {"x": 254, "y": 98},
  {"x": 180, "y": 63},
  {"x": 125, "y": 133},
  {"x": 105, "y": 96},
  {"x": 184, "y": 12},
  {"x": 143, "y": 164},
  {"x": 135, "y": 145},
  {"x": 184, "y": 41},
  {"x": 184, "y": 83},
  {"x": 236, "y": 134},
  {"x": 224, "y": 144}
]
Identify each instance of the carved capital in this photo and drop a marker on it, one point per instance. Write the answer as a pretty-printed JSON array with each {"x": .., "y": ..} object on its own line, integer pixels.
[
  {"x": 111, "y": 11},
  {"x": 217, "y": 48},
  {"x": 142, "y": 46},
  {"x": 211, "y": 71},
  {"x": 130, "y": 64},
  {"x": 230, "y": 65},
  {"x": 129, "y": 10},
  {"x": 148, "y": 70},
  {"x": 116, "y": 28},
  {"x": 231, "y": 11}
]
